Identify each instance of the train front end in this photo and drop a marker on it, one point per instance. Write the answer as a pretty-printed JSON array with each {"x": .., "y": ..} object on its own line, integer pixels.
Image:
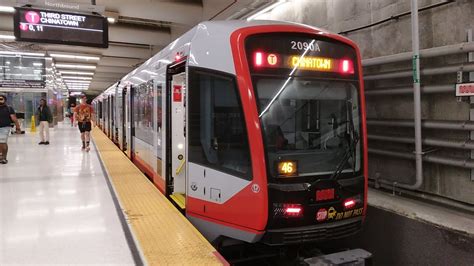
[{"x": 308, "y": 91}]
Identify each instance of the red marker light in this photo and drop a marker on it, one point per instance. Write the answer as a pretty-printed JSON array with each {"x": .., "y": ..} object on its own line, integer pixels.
[
  {"x": 177, "y": 57},
  {"x": 349, "y": 204},
  {"x": 258, "y": 59},
  {"x": 347, "y": 67},
  {"x": 292, "y": 210}
]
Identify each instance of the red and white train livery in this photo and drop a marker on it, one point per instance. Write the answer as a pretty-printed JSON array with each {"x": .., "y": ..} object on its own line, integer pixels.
[{"x": 255, "y": 129}]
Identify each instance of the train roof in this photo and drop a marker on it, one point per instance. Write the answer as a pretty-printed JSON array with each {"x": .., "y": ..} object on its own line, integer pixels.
[{"x": 205, "y": 35}]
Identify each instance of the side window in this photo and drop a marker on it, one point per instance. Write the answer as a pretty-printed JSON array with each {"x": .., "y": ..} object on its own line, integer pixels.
[
  {"x": 143, "y": 112},
  {"x": 217, "y": 132},
  {"x": 159, "y": 103},
  {"x": 159, "y": 120}
]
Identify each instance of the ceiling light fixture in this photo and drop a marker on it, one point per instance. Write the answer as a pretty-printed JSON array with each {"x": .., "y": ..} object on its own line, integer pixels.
[
  {"x": 77, "y": 85},
  {"x": 75, "y": 66},
  {"x": 265, "y": 10},
  {"x": 112, "y": 17},
  {"x": 82, "y": 57},
  {"x": 21, "y": 53},
  {"x": 77, "y": 73},
  {"x": 76, "y": 77},
  {"x": 8, "y": 9},
  {"x": 78, "y": 82},
  {"x": 7, "y": 37}
]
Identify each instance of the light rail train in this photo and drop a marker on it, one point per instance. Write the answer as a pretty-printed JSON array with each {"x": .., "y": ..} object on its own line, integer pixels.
[{"x": 255, "y": 130}]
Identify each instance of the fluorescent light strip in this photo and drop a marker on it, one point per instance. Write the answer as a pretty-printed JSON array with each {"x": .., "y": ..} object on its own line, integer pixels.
[
  {"x": 77, "y": 83},
  {"x": 75, "y": 80},
  {"x": 111, "y": 20},
  {"x": 74, "y": 85},
  {"x": 8, "y": 9},
  {"x": 76, "y": 77},
  {"x": 75, "y": 66},
  {"x": 265, "y": 10},
  {"x": 83, "y": 57},
  {"x": 77, "y": 73},
  {"x": 21, "y": 53},
  {"x": 7, "y": 37}
]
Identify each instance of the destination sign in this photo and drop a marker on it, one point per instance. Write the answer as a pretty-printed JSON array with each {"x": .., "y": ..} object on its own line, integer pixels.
[
  {"x": 35, "y": 25},
  {"x": 309, "y": 63},
  {"x": 299, "y": 54}
]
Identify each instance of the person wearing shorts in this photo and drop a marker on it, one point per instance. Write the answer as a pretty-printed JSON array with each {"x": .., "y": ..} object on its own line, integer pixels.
[
  {"x": 7, "y": 116},
  {"x": 82, "y": 116}
]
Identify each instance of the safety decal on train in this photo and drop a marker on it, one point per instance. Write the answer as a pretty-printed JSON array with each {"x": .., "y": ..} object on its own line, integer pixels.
[
  {"x": 332, "y": 214},
  {"x": 255, "y": 188},
  {"x": 177, "y": 93}
]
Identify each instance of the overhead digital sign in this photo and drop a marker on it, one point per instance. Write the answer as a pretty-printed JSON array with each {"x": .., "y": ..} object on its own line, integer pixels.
[
  {"x": 309, "y": 63},
  {"x": 299, "y": 54},
  {"x": 35, "y": 25}
]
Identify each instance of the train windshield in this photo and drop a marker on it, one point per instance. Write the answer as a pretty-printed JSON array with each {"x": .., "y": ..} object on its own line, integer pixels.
[{"x": 314, "y": 123}]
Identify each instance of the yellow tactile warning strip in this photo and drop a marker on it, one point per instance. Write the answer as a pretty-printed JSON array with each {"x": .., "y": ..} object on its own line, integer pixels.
[{"x": 163, "y": 235}]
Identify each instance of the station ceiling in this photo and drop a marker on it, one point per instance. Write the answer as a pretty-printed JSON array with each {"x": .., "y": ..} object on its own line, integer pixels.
[{"x": 141, "y": 29}]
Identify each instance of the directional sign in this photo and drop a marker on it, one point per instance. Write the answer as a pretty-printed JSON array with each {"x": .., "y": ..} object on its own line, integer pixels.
[{"x": 46, "y": 26}]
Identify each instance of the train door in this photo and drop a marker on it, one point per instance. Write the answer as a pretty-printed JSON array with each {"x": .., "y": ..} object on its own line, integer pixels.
[
  {"x": 112, "y": 119},
  {"x": 130, "y": 124},
  {"x": 109, "y": 112},
  {"x": 124, "y": 119},
  {"x": 106, "y": 115},
  {"x": 176, "y": 108}
]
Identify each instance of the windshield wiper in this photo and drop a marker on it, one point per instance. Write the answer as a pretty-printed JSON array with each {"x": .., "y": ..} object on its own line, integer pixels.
[
  {"x": 353, "y": 139},
  {"x": 347, "y": 155},
  {"x": 352, "y": 144}
]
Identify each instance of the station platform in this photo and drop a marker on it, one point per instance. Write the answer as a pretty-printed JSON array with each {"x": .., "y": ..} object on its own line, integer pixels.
[
  {"x": 55, "y": 205},
  {"x": 58, "y": 206}
]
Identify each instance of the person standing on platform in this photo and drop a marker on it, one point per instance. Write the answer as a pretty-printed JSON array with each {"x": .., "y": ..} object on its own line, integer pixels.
[
  {"x": 7, "y": 116},
  {"x": 71, "y": 113},
  {"x": 45, "y": 117},
  {"x": 82, "y": 116}
]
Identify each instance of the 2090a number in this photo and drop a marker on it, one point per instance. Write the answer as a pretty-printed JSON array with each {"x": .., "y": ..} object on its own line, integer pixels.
[{"x": 304, "y": 46}]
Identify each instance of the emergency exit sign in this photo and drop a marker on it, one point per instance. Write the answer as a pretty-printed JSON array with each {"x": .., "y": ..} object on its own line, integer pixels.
[{"x": 465, "y": 89}]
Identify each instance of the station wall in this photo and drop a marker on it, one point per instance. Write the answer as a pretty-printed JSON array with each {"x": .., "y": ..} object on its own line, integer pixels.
[{"x": 438, "y": 26}]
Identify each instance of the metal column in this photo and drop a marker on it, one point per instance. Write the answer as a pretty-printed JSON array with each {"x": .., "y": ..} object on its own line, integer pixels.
[
  {"x": 471, "y": 99},
  {"x": 416, "y": 96}
]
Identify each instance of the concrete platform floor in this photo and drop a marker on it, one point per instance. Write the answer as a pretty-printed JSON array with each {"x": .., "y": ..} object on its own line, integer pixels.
[{"x": 55, "y": 205}]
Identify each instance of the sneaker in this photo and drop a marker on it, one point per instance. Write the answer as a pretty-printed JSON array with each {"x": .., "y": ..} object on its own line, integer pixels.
[
  {"x": 46, "y": 143},
  {"x": 41, "y": 143},
  {"x": 3, "y": 161},
  {"x": 88, "y": 148}
]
